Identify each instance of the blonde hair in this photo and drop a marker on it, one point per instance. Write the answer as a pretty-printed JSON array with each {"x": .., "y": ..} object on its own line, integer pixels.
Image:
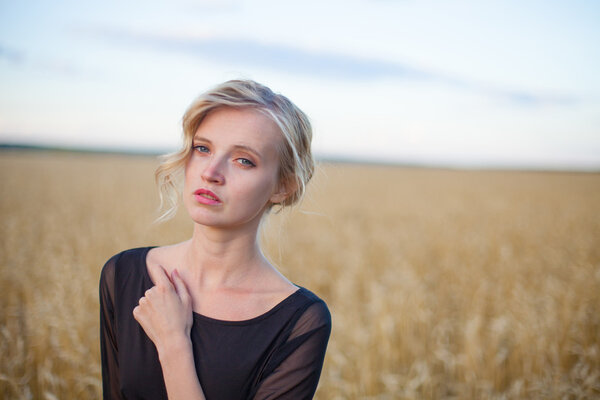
[{"x": 296, "y": 164}]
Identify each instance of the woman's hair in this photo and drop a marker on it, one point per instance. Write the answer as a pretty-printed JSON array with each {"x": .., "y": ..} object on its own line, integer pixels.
[{"x": 296, "y": 164}]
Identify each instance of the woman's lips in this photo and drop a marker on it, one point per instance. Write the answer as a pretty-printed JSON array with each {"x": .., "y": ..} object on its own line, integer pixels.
[{"x": 205, "y": 196}]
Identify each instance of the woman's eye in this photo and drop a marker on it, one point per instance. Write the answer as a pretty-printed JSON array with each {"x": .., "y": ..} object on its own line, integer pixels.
[
  {"x": 201, "y": 149},
  {"x": 245, "y": 162}
]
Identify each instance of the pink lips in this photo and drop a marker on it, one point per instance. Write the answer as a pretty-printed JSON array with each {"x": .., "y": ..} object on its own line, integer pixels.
[{"x": 205, "y": 196}]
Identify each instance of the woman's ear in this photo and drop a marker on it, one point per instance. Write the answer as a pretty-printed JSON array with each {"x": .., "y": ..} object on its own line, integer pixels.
[{"x": 285, "y": 189}]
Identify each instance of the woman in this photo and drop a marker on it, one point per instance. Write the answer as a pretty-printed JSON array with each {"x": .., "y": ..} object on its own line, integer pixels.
[{"x": 211, "y": 317}]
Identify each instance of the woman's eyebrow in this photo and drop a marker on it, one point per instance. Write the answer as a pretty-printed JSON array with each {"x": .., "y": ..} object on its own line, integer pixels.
[
  {"x": 241, "y": 147},
  {"x": 200, "y": 138},
  {"x": 248, "y": 149}
]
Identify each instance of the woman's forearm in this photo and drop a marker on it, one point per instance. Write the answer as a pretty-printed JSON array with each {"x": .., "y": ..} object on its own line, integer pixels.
[{"x": 179, "y": 370}]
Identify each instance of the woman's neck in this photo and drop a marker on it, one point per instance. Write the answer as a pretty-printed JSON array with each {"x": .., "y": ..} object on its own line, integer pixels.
[{"x": 222, "y": 258}]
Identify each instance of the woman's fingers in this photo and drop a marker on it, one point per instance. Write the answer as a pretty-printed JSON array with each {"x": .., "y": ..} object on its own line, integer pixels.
[
  {"x": 180, "y": 287},
  {"x": 184, "y": 297},
  {"x": 138, "y": 314},
  {"x": 160, "y": 276}
]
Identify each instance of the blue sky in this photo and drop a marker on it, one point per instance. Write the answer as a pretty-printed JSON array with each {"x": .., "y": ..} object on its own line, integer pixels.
[{"x": 459, "y": 83}]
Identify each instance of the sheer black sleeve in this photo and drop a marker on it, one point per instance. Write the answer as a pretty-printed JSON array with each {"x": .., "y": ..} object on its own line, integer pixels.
[
  {"x": 294, "y": 370},
  {"x": 108, "y": 337}
]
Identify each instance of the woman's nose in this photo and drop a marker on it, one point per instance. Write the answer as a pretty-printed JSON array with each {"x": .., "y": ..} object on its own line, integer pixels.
[{"x": 213, "y": 173}]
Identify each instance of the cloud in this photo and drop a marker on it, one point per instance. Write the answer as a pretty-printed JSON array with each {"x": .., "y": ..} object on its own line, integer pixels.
[
  {"x": 284, "y": 58},
  {"x": 48, "y": 64},
  {"x": 318, "y": 64},
  {"x": 11, "y": 55}
]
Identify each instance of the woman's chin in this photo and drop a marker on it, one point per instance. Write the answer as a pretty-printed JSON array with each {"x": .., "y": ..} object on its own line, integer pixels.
[{"x": 211, "y": 220}]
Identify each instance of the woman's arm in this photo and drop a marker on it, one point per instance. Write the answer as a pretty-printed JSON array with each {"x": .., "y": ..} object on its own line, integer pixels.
[
  {"x": 108, "y": 337},
  {"x": 294, "y": 369},
  {"x": 165, "y": 314}
]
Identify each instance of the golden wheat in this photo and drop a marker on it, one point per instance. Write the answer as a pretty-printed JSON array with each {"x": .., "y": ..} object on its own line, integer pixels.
[{"x": 442, "y": 284}]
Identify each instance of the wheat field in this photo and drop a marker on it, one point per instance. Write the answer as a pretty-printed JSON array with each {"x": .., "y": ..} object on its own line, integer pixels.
[{"x": 442, "y": 284}]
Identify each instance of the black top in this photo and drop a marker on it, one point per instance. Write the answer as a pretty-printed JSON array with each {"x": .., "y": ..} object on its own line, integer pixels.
[{"x": 278, "y": 354}]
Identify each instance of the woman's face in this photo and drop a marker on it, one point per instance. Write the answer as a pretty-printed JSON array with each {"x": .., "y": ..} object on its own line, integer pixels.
[{"x": 232, "y": 173}]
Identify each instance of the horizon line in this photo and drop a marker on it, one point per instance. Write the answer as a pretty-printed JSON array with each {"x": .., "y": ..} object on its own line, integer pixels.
[{"x": 328, "y": 159}]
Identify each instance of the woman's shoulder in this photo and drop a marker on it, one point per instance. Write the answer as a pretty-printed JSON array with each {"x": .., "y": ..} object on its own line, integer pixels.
[
  {"x": 315, "y": 300},
  {"x": 129, "y": 260},
  {"x": 124, "y": 275},
  {"x": 165, "y": 256},
  {"x": 309, "y": 298},
  {"x": 313, "y": 309},
  {"x": 128, "y": 256}
]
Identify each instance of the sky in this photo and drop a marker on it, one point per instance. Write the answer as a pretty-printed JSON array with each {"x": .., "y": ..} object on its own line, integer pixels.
[{"x": 445, "y": 83}]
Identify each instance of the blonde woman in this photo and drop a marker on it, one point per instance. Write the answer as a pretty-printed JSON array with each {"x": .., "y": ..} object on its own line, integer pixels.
[{"x": 211, "y": 318}]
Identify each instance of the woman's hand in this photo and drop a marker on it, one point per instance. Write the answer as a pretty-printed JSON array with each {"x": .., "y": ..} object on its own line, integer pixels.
[{"x": 165, "y": 311}]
